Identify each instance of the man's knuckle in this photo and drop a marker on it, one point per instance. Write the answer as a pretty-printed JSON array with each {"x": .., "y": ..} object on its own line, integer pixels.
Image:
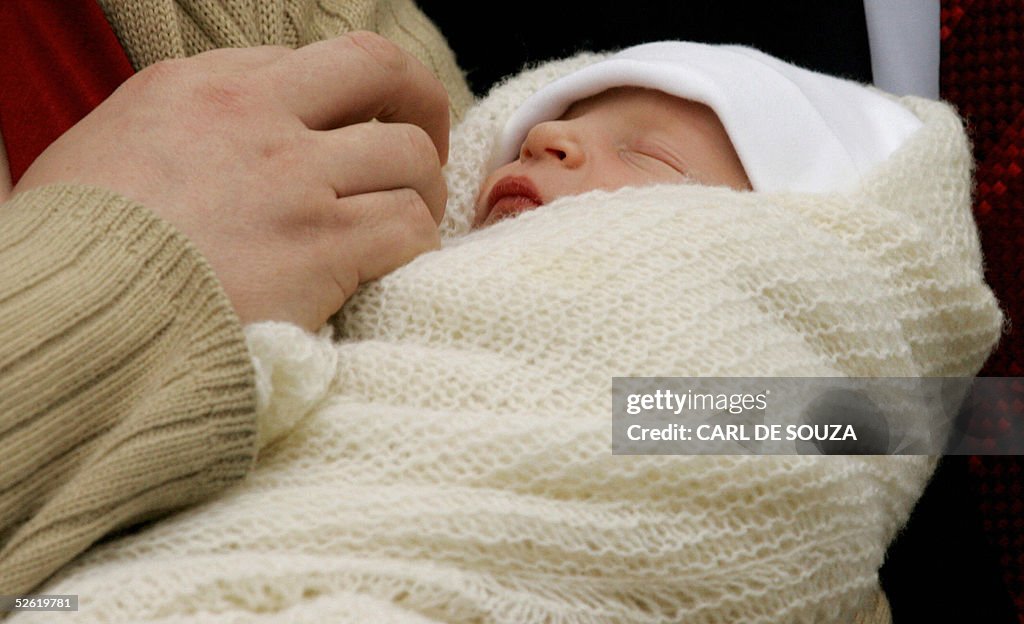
[
  {"x": 419, "y": 229},
  {"x": 425, "y": 237},
  {"x": 418, "y": 142},
  {"x": 381, "y": 51}
]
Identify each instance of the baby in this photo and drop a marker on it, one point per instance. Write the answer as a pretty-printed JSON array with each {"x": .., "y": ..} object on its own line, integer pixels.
[
  {"x": 626, "y": 136},
  {"x": 688, "y": 113},
  {"x": 474, "y": 382}
]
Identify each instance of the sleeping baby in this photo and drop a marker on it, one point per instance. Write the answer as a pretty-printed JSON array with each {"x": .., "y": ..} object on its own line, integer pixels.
[
  {"x": 670, "y": 113},
  {"x": 680, "y": 210},
  {"x": 625, "y": 136}
]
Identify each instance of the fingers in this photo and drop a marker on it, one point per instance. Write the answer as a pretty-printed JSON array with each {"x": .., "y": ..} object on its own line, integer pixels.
[
  {"x": 358, "y": 77},
  {"x": 371, "y": 157},
  {"x": 398, "y": 228},
  {"x": 394, "y": 227}
]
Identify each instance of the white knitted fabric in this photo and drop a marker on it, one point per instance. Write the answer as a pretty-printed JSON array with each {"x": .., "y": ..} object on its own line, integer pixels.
[{"x": 448, "y": 459}]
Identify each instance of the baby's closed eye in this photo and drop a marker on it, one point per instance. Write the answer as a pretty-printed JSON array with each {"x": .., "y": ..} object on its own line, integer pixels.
[{"x": 647, "y": 154}]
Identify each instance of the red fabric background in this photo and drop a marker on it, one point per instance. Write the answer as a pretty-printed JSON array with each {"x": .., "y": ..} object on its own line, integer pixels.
[
  {"x": 983, "y": 75},
  {"x": 58, "y": 60}
]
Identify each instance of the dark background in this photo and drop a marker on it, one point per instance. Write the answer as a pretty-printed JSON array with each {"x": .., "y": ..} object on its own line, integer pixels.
[
  {"x": 941, "y": 567},
  {"x": 491, "y": 43}
]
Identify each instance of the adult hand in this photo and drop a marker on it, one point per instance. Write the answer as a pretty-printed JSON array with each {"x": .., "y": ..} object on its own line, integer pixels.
[{"x": 270, "y": 160}]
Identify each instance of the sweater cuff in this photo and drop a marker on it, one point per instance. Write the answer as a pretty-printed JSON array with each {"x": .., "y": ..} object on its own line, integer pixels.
[{"x": 126, "y": 388}]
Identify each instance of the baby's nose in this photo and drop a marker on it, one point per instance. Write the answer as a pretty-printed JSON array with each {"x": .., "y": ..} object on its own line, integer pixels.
[{"x": 553, "y": 140}]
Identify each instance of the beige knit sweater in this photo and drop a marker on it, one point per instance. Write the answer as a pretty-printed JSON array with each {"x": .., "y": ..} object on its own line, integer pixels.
[{"x": 126, "y": 389}]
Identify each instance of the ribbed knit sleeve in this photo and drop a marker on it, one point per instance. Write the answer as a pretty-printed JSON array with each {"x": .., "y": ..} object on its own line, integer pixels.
[
  {"x": 126, "y": 389},
  {"x": 154, "y": 30}
]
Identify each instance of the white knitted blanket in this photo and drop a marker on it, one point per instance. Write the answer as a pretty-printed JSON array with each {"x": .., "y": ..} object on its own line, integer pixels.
[{"x": 449, "y": 457}]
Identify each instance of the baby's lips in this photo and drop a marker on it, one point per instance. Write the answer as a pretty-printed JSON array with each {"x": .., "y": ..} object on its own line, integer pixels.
[
  {"x": 510, "y": 206},
  {"x": 510, "y": 196}
]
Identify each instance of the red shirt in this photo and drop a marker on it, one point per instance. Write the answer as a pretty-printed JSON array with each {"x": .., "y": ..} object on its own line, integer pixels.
[{"x": 58, "y": 60}]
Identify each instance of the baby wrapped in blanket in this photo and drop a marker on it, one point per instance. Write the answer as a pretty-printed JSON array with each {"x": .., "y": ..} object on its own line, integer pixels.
[{"x": 447, "y": 455}]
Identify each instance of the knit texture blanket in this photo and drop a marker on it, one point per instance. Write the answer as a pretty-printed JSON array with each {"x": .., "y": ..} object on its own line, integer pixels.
[{"x": 447, "y": 455}]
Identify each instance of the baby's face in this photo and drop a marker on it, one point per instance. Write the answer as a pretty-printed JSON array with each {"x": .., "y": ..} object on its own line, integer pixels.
[{"x": 621, "y": 137}]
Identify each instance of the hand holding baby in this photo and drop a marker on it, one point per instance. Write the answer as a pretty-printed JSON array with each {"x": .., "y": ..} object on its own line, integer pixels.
[{"x": 270, "y": 161}]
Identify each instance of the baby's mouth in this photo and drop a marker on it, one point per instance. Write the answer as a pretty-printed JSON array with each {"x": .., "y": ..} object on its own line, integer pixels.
[{"x": 511, "y": 196}]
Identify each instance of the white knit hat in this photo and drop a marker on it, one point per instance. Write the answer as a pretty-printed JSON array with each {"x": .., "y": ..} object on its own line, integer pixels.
[{"x": 792, "y": 128}]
